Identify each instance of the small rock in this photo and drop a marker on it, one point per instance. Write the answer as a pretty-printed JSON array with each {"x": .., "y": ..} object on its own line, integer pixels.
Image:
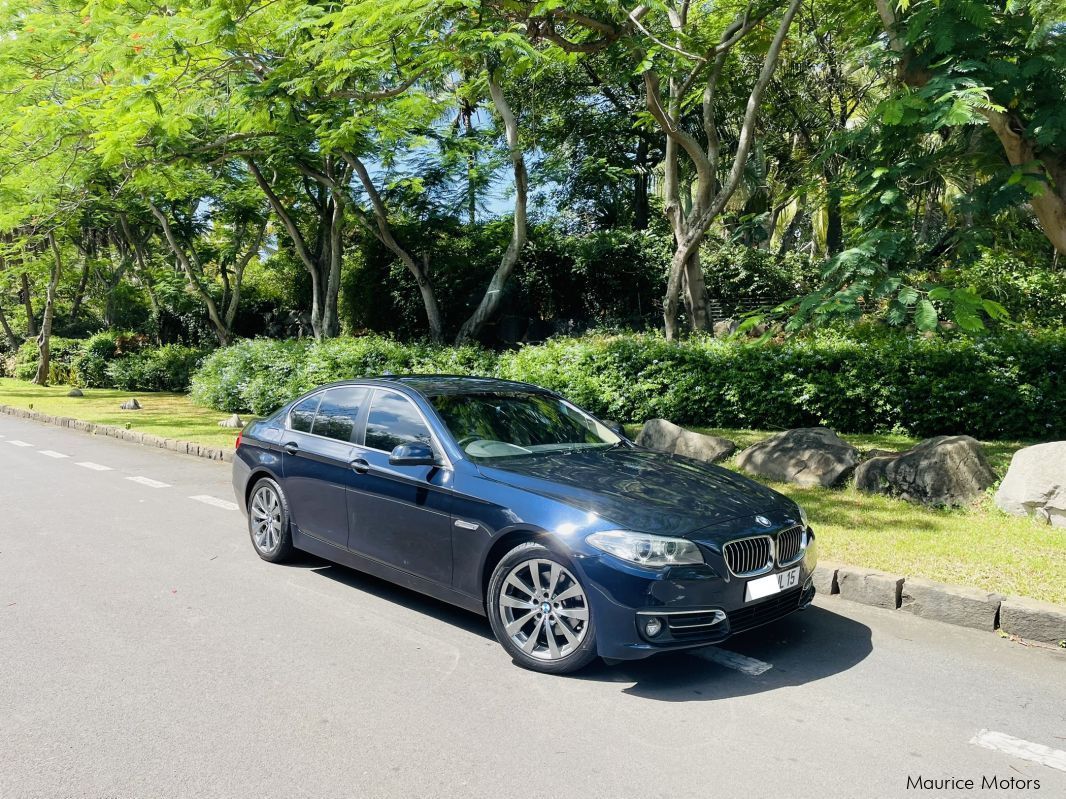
[
  {"x": 130, "y": 405},
  {"x": 1036, "y": 484},
  {"x": 807, "y": 456},
  {"x": 668, "y": 437},
  {"x": 940, "y": 471},
  {"x": 75, "y": 392},
  {"x": 234, "y": 421}
]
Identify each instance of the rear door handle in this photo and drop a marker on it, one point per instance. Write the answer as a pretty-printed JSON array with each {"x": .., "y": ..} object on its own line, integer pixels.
[
  {"x": 360, "y": 466},
  {"x": 291, "y": 447}
]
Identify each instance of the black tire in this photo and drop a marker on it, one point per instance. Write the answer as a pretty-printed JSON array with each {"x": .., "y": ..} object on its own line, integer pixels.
[
  {"x": 279, "y": 537},
  {"x": 533, "y": 555}
]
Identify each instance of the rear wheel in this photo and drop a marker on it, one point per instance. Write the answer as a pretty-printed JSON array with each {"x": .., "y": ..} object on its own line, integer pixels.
[
  {"x": 540, "y": 612},
  {"x": 268, "y": 521}
]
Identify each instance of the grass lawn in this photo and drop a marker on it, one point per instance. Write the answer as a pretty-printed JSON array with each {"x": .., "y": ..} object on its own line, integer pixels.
[
  {"x": 167, "y": 415},
  {"x": 978, "y": 546}
]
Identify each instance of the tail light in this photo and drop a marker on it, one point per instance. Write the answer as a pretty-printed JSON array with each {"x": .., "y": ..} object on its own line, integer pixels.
[{"x": 239, "y": 436}]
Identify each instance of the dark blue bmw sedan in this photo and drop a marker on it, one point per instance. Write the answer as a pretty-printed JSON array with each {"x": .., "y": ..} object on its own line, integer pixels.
[{"x": 508, "y": 500}]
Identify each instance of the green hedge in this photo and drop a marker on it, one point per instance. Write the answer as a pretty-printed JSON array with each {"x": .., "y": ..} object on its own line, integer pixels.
[
  {"x": 113, "y": 360},
  {"x": 1004, "y": 386},
  {"x": 166, "y": 368}
]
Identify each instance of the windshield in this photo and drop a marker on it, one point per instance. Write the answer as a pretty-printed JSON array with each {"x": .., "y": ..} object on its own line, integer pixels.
[{"x": 511, "y": 425}]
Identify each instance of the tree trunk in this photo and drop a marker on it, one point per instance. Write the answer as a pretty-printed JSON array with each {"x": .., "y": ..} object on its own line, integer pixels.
[
  {"x": 239, "y": 267},
  {"x": 79, "y": 294},
  {"x": 136, "y": 243},
  {"x": 696, "y": 292},
  {"x": 834, "y": 225},
  {"x": 383, "y": 231},
  {"x": 330, "y": 318},
  {"x": 44, "y": 339},
  {"x": 186, "y": 259},
  {"x": 13, "y": 342},
  {"x": 641, "y": 209},
  {"x": 672, "y": 299},
  {"x": 710, "y": 198},
  {"x": 27, "y": 301},
  {"x": 9, "y": 334},
  {"x": 1050, "y": 205},
  {"x": 490, "y": 302}
]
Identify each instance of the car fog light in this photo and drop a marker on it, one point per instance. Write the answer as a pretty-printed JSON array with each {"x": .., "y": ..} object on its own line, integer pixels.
[{"x": 652, "y": 627}]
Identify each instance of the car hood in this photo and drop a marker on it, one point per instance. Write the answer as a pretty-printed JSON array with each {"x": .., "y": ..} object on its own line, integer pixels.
[{"x": 644, "y": 490}]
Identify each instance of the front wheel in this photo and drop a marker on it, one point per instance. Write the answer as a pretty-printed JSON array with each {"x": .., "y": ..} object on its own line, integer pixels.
[{"x": 540, "y": 612}]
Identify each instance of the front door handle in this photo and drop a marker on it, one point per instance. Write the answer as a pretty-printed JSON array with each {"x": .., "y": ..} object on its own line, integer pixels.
[
  {"x": 360, "y": 466},
  {"x": 291, "y": 447}
]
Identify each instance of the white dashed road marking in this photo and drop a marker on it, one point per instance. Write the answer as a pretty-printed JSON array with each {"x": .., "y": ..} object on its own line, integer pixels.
[
  {"x": 148, "y": 481},
  {"x": 731, "y": 660},
  {"x": 215, "y": 502},
  {"x": 96, "y": 467},
  {"x": 1016, "y": 747},
  {"x": 15, "y": 442},
  {"x": 51, "y": 453}
]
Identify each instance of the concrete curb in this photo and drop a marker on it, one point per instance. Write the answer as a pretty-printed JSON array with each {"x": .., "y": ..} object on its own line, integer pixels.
[
  {"x": 962, "y": 606},
  {"x": 122, "y": 434},
  {"x": 1033, "y": 619},
  {"x": 869, "y": 587}
]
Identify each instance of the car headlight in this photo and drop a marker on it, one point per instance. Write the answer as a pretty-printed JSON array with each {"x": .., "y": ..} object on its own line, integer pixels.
[
  {"x": 656, "y": 551},
  {"x": 803, "y": 517}
]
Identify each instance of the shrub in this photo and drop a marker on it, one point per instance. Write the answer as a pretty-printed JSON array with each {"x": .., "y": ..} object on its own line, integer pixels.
[
  {"x": 1034, "y": 293},
  {"x": 166, "y": 368},
  {"x": 89, "y": 366},
  {"x": 867, "y": 380},
  {"x": 259, "y": 375},
  {"x": 253, "y": 375},
  {"x": 62, "y": 352},
  {"x": 735, "y": 273}
]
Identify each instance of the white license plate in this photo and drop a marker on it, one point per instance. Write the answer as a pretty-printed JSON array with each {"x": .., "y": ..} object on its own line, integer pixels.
[{"x": 771, "y": 584}]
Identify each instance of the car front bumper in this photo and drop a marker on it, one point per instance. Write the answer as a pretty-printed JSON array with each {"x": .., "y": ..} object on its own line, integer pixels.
[{"x": 695, "y": 606}]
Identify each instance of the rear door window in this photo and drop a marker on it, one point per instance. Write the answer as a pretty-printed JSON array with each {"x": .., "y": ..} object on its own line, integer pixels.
[
  {"x": 302, "y": 415},
  {"x": 394, "y": 420},
  {"x": 339, "y": 411}
]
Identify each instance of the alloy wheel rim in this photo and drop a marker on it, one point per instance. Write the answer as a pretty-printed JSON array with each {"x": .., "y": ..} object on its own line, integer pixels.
[
  {"x": 544, "y": 609},
  {"x": 266, "y": 519}
]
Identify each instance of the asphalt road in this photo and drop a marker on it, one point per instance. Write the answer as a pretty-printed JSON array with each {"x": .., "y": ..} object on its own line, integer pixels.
[{"x": 145, "y": 651}]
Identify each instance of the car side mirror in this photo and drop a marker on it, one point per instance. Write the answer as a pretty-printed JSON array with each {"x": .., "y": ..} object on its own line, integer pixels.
[{"x": 416, "y": 454}]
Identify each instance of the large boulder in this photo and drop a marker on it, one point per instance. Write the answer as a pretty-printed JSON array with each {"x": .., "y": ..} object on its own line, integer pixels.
[
  {"x": 940, "y": 471},
  {"x": 668, "y": 437},
  {"x": 1036, "y": 483},
  {"x": 806, "y": 456},
  {"x": 724, "y": 328}
]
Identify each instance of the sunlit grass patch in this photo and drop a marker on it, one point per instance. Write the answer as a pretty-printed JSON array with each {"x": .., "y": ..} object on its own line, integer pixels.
[{"x": 166, "y": 415}]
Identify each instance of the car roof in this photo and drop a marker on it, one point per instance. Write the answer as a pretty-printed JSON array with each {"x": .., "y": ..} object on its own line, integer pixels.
[{"x": 438, "y": 385}]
